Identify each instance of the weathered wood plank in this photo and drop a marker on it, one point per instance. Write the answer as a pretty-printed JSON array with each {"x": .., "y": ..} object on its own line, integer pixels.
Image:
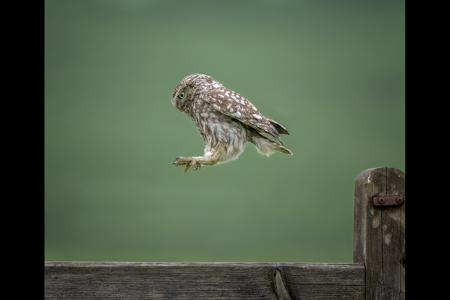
[
  {"x": 99, "y": 280},
  {"x": 379, "y": 233},
  {"x": 323, "y": 281},
  {"x": 393, "y": 227}
]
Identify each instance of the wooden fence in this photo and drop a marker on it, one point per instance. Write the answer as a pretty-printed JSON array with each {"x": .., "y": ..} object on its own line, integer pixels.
[{"x": 377, "y": 271}]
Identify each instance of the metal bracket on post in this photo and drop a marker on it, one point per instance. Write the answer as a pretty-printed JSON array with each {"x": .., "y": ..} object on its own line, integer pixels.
[{"x": 395, "y": 200}]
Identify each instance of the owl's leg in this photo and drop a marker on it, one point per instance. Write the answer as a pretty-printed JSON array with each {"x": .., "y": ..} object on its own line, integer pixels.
[{"x": 196, "y": 162}]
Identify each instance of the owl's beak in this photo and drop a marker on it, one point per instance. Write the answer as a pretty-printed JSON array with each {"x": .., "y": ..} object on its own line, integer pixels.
[{"x": 180, "y": 104}]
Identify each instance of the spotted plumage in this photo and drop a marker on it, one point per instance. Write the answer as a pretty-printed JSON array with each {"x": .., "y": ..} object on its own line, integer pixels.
[{"x": 226, "y": 121}]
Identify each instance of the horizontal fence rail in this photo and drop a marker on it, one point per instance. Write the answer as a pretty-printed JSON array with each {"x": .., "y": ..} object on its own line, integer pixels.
[
  {"x": 377, "y": 271},
  {"x": 97, "y": 280}
]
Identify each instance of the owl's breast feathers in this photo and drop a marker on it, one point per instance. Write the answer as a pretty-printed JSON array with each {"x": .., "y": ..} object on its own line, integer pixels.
[{"x": 212, "y": 123}]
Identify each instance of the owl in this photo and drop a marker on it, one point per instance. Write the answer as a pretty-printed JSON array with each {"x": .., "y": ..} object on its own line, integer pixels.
[{"x": 225, "y": 120}]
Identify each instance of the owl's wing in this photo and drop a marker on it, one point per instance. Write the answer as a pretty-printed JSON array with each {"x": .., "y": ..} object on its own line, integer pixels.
[{"x": 236, "y": 106}]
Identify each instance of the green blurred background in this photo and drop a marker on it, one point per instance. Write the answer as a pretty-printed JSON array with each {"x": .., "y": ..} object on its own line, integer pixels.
[{"x": 332, "y": 72}]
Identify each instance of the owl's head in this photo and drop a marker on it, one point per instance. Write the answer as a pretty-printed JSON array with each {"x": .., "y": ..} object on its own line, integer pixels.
[{"x": 191, "y": 86}]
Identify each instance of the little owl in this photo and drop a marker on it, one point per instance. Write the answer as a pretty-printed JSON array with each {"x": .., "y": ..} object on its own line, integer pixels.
[{"x": 225, "y": 120}]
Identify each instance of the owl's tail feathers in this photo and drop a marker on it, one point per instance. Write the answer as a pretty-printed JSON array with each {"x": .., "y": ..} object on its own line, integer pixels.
[
  {"x": 268, "y": 147},
  {"x": 284, "y": 150},
  {"x": 280, "y": 128}
]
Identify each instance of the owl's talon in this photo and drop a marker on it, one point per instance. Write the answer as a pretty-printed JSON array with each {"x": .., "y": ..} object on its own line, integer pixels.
[
  {"x": 176, "y": 162},
  {"x": 196, "y": 166},
  {"x": 190, "y": 163}
]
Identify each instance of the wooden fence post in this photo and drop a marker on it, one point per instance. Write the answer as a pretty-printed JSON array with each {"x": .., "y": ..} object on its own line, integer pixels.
[{"x": 379, "y": 231}]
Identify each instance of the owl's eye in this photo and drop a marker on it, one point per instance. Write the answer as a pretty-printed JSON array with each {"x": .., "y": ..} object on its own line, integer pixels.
[{"x": 181, "y": 95}]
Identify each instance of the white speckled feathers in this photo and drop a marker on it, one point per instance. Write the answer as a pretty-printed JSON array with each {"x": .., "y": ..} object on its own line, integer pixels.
[{"x": 236, "y": 106}]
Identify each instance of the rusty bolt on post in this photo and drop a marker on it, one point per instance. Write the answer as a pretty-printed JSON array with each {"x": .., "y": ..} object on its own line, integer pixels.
[{"x": 389, "y": 200}]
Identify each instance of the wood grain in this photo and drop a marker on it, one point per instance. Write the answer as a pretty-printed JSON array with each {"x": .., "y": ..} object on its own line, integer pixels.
[
  {"x": 379, "y": 233},
  {"x": 120, "y": 280}
]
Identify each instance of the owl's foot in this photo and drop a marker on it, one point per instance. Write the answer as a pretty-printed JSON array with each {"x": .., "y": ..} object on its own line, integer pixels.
[
  {"x": 177, "y": 161},
  {"x": 180, "y": 161}
]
